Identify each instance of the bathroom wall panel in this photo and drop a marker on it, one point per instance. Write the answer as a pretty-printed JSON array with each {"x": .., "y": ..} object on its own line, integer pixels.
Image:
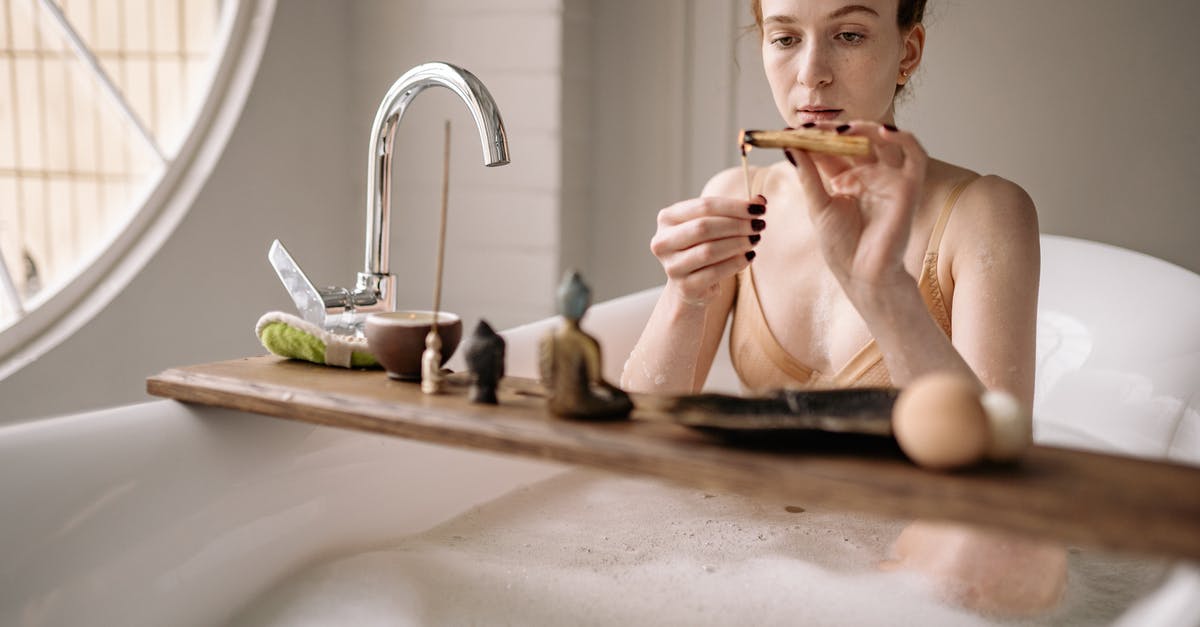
[
  {"x": 1104, "y": 91},
  {"x": 515, "y": 219},
  {"x": 514, "y": 48},
  {"x": 527, "y": 114},
  {"x": 577, "y": 149},
  {"x": 638, "y": 128}
]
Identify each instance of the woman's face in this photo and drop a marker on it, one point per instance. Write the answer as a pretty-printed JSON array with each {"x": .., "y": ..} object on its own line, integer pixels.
[{"x": 836, "y": 59}]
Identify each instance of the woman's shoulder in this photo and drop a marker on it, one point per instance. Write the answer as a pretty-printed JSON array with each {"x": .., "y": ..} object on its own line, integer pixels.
[
  {"x": 986, "y": 199},
  {"x": 995, "y": 202},
  {"x": 992, "y": 211}
]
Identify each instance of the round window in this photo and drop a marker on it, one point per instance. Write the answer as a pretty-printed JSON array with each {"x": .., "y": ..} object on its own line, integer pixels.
[{"x": 112, "y": 113}]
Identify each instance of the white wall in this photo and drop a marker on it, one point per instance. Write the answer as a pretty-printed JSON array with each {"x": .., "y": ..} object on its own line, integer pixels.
[
  {"x": 1092, "y": 105},
  {"x": 614, "y": 109},
  {"x": 502, "y": 248}
]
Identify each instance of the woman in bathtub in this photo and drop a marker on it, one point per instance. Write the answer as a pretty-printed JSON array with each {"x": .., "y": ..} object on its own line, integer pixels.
[
  {"x": 843, "y": 271},
  {"x": 861, "y": 271}
]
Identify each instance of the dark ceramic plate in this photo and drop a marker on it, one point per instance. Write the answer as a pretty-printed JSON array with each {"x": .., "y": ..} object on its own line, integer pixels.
[{"x": 819, "y": 417}]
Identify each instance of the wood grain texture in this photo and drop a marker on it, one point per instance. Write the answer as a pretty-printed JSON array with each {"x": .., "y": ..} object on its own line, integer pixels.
[
  {"x": 812, "y": 140},
  {"x": 1074, "y": 497}
]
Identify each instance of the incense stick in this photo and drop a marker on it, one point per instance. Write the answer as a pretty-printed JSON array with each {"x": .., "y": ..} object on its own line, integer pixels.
[
  {"x": 745, "y": 168},
  {"x": 441, "y": 244},
  {"x": 431, "y": 361}
]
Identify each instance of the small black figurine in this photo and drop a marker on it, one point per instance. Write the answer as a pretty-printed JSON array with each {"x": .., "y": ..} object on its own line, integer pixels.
[
  {"x": 485, "y": 362},
  {"x": 570, "y": 363}
]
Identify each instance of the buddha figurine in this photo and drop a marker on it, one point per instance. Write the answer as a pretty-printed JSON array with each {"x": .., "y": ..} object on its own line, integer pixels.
[
  {"x": 485, "y": 362},
  {"x": 570, "y": 363}
]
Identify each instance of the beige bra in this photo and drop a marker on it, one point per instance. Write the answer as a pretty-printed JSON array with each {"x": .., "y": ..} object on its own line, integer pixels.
[{"x": 762, "y": 364}]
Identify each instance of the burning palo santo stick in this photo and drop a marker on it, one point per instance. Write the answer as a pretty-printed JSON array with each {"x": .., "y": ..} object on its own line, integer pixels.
[{"x": 808, "y": 139}]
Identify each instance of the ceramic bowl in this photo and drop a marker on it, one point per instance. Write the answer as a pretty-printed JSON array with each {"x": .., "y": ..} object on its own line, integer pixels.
[{"x": 397, "y": 339}]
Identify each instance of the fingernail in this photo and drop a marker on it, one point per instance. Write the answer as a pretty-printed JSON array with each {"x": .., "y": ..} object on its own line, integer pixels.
[
  {"x": 763, "y": 199},
  {"x": 809, "y": 124},
  {"x": 890, "y": 128},
  {"x": 842, "y": 129},
  {"x": 755, "y": 238},
  {"x": 758, "y": 225},
  {"x": 750, "y": 255},
  {"x": 787, "y": 153},
  {"x": 757, "y": 209}
]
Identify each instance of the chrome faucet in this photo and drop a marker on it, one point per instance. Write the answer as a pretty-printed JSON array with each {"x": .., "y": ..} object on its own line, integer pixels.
[{"x": 342, "y": 310}]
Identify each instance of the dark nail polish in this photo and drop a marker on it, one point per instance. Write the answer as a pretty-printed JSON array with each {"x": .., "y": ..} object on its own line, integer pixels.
[
  {"x": 758, "y": 225},
  {"x": 890, "y": 128},
  {"x": 755, "y": 238},
  {"x": 809, "y": 124},
  {"x": 757, "y": 210},
  {"x": 787, "y": 153},
  {"x": 842, "y": 129},
  {"x": 750, "y": 255},
  {"x": 762, "y": 199}
]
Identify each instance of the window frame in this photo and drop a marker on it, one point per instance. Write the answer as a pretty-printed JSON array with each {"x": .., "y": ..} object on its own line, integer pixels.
[{"x": 50, "y": 319}]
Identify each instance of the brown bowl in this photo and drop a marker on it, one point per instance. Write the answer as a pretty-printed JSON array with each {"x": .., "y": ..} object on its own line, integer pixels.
[{"x": 397, "y": 339}]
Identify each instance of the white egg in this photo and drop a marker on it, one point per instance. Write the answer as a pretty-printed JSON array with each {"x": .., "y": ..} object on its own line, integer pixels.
[{"x": 940, "y": 423}]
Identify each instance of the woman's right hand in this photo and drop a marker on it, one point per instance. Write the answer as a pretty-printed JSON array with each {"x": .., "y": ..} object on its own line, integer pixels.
[{"x": 703, "y": 241}]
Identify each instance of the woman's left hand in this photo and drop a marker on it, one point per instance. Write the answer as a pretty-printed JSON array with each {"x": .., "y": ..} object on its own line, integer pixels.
[{"x": 862, "y": 207}]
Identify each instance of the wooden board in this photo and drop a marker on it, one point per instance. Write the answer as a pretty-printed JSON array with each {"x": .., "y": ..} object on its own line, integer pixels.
[{"x": 1075, "y": 497}]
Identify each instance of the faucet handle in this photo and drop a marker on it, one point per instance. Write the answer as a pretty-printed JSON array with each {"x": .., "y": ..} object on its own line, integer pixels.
[{"x": 309, "y": 301}]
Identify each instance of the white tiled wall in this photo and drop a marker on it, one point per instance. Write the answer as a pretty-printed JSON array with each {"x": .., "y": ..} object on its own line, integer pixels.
[{"x": 503, "y": 231}]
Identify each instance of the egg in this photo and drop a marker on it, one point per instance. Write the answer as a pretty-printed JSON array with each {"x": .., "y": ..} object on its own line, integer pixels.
[{"x": 940, "y": 423}]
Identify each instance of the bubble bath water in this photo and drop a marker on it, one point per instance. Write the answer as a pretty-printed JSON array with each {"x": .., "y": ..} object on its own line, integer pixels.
[{"x": 589, "y": 548}]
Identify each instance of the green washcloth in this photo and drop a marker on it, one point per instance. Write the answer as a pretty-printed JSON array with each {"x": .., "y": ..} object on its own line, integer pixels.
[{"x": 295, "y": 338}]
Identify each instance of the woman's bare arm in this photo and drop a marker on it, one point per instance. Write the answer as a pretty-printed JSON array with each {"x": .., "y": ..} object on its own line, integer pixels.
[
  {"x": 994, "y": 261},
  {"x": 994, "y": 255},
  {"x": 702, "y": 243},
  {"x": 862, "y": 210}
]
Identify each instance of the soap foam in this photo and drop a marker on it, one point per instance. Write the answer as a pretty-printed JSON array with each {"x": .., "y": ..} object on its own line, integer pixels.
[{"x": 587, "y": 548}]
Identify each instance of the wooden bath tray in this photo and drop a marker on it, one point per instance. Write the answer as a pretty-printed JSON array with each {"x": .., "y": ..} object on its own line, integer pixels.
[{"x": 1075, "y": 497}]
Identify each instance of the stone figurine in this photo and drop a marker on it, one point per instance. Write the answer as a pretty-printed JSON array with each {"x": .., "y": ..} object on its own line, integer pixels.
[
  {"x": 570, "y": 363},
  {"x": 485, "y": 363}
]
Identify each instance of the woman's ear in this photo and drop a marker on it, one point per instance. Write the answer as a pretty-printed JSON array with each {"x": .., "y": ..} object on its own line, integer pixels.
[{"x": 910, "y": 56}]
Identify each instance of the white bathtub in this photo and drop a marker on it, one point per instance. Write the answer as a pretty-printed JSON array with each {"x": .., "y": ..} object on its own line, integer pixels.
[{"x": 167, "y": 514}]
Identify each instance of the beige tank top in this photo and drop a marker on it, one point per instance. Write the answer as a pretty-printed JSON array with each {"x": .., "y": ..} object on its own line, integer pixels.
[{"x": 762, "y": 364}]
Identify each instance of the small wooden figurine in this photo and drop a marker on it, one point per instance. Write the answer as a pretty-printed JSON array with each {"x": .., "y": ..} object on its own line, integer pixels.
[
  {"x": 431, "y": 362},
  {"x": 485, "y": 362},
  {"x": 570, "y": 363}
]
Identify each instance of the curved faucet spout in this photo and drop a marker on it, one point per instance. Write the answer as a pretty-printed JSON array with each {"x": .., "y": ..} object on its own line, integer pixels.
[
  {"x": 337, "y": 308},
  {"x": 376, "y": 276}
]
